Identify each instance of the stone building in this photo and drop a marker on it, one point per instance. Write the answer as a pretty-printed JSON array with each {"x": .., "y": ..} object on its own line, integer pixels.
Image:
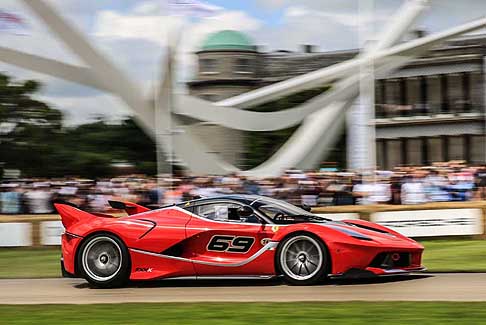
[
  {"x": 429, "y": 111},
  {"x": 433, "y": 109},
  {"x": 228, "y": 65}
]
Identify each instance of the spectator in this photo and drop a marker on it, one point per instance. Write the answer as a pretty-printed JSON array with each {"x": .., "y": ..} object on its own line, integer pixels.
[
  {"x": 10, "y": 199},
  {"x": 452, "y": 181},
  {"x": 39, "y": 199},
  {"x": 436, "y": 187},
  {"x": 412, "y": 191}
]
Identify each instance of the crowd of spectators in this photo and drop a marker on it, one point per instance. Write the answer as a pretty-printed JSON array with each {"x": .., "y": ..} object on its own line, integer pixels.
[{"x": 452, "y": 181}]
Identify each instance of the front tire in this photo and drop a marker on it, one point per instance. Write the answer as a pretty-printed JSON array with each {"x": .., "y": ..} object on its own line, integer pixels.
[
  {"x": 104, "y": 261},
  {"x": 302, "y": 259}
]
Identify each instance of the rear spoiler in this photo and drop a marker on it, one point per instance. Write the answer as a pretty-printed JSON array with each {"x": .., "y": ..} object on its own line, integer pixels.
[
  {"x": 71, "y": 214},
  {"x": 129, "y": 207}
]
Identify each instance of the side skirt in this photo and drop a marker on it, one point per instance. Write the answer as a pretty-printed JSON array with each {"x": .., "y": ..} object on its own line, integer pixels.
[{"x": 223, "y": 277}]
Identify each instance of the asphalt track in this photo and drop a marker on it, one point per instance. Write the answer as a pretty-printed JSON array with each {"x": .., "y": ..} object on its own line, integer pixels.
[{"x": 429, "y": 287}]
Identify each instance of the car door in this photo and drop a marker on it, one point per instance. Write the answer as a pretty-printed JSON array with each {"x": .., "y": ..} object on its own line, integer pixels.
[{"x": 221, "y": 243}]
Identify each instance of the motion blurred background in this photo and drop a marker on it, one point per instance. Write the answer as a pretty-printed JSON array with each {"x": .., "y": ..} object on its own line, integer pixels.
[
  {"x": 63, "y": 140},
  {"x": 410, "y": 153}
]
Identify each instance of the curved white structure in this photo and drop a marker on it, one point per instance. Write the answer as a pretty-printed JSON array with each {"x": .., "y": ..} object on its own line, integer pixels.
[{"x": 322, "y": 117}]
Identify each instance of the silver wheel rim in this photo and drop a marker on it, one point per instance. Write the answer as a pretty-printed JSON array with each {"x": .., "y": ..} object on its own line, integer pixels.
[
  {"x": 102, "y": 258},
  {"x": 301, "y": 258}
]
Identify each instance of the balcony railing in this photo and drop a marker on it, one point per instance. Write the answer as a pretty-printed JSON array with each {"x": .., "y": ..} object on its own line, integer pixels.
[{"x": 429, "y": 109}]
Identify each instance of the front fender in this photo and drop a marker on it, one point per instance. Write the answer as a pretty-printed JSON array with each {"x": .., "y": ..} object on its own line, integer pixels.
[
  {"x": 326, "y": 234},
  {"x": 345, "y": 252},
  {"x": 371, "y": 225}
]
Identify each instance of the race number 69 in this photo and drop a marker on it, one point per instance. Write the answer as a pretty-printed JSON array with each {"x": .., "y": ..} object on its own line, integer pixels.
[{"x": 232, "y": 244}]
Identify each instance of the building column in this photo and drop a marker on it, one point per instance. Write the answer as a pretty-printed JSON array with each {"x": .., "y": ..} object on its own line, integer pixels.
[{"x": 361, "y": 142}]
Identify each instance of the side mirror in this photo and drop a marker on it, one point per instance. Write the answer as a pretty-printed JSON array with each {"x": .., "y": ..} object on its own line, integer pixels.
[
  {"x": 244, "y": 211},
  {"x": 306, "y": 207}
]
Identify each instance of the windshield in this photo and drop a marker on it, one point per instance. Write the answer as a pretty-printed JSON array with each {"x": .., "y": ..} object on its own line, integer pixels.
[{"x": 278, "y": 210}]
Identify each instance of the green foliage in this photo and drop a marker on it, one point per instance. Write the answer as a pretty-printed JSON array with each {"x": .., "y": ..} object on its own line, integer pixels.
[{"x": 39, "y": 146}]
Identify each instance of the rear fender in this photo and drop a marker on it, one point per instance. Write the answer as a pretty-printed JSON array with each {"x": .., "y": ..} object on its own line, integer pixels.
[{"x": 82, "y": 223}]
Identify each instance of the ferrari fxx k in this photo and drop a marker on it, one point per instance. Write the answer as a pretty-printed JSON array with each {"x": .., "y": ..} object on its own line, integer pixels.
[{"x": 233, "y": 236}]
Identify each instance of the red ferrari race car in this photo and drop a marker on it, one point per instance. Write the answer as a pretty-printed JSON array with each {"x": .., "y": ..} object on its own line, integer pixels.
[{"x": 234, "y": 236}]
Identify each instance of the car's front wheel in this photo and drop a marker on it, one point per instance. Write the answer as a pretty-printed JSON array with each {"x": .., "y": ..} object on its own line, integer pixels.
[
  {"x": 104, "y": 261},
  {"x": 302, "y": 259}
]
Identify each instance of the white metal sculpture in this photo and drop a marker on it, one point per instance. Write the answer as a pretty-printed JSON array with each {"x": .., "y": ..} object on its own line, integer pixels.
[{"x": 320, "y": 119}]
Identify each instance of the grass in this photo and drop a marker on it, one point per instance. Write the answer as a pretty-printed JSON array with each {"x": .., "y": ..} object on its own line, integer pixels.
[
  {"x": 249, "y": 313},
  {"x": 30, "y": 262},
  {"x": 447, "y": 255},
  {"x": 455, "y": 255}
]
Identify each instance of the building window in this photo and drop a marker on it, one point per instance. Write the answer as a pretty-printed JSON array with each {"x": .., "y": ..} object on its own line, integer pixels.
[
  {"x": 380, "y": 154},
  {"x": 392, "y": 105},
  {"x": 414, "y": 152},
  {"x": 434, "y": 94},
  {"x": 435, "y": 150},
  {"x": 477, "y": 151},
  {"x": 423, "y": 99},
  {"x": 413, "y": 95},
  {"x": 380, "y": 100},
  {"x": 444, "y": 87},
  {"x": 455, "y": 89},
  {"x": 394, "y": 153},
  {"x": 466, "y": 91},
  {"x": 207, "y": 65},
  {"x": 243, "y": 65},
  {"x": 456, "y": 148},
  {"x": 477, "y": 91}
]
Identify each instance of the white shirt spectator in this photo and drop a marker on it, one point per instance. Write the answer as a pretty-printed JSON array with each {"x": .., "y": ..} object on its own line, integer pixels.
[
  {"x": 372, "y": 193},
  {"x": 413, "y": 193},
  {"x": 39, "y": 201},
  {"x": 381, "y": 193},
  {"x": 364, "y": 192}
]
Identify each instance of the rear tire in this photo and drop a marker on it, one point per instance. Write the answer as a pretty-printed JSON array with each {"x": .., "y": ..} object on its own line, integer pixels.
[
  {"x": 104, "y": 261},
  {"x": 302, "y": 259}
]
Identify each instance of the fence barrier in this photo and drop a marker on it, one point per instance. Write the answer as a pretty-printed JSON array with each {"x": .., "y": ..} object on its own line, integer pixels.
[{"x": 425, "y": 220}]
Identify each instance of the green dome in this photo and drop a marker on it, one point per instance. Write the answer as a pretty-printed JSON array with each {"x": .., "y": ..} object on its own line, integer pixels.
[{"x": 228, "y": 40}]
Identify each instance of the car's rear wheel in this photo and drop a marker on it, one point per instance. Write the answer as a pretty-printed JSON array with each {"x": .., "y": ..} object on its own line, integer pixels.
[
  {"x": 104, "y": 261},
  {"x": 302, "y": 259}
]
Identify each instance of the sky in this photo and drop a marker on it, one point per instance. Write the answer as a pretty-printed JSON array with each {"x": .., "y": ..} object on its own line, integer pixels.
[{"x": 133, "y": 34}]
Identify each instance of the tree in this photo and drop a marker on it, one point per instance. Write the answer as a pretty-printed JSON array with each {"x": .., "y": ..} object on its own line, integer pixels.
[
  {"x": 29, "y": 126},
  {"x": 33, "y": 139}
]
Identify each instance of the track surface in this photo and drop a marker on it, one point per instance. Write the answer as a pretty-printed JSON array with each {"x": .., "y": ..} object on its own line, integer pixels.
[{"x": 443, "y": 287}]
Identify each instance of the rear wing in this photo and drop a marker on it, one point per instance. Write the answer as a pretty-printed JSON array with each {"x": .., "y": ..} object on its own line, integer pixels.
[
  {"x": 129, "y": 207},
  {"x": 71, "y": 214}
]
